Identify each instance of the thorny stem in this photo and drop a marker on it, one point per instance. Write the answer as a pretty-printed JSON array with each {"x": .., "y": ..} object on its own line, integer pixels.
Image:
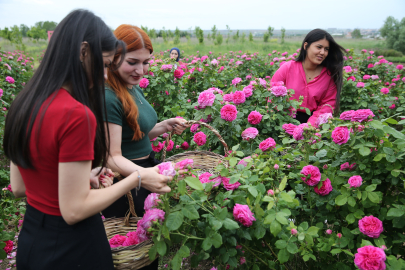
[
  {"x": 254, "y": 255},
  {"x": 274, "y": 253},
  {"x": 189, "y": 237},
  {"x": 202, "y": 206}
]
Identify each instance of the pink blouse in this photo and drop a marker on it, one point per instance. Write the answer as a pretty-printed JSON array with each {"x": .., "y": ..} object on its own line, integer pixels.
[{"x": 318, "y": 93}]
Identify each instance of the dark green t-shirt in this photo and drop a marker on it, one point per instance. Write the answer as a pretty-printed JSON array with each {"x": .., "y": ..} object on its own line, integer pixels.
[{"x": 147, "y": 119}]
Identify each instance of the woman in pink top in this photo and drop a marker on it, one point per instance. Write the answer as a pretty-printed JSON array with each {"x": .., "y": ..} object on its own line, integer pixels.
[{"x": 316, "y": 75}]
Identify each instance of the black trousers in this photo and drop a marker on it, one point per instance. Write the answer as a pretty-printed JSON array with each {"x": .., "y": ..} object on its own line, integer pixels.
[
  {"x": 48, "y": 242},
  {"x": 121, "y": 207},
  {"x": 303, "y": 117}
]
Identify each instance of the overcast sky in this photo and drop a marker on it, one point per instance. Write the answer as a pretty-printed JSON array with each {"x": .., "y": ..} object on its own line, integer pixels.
[{"x": 251, "y": 14}]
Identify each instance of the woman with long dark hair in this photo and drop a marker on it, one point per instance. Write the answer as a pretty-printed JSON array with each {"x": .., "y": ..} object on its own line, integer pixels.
[
  {"x": 317, "y": 75},
  {"x": 54, "y": 136}
]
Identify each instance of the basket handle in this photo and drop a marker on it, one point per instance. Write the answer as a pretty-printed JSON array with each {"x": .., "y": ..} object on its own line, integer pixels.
[
  {"x": 130, "y": 200},
  {"x": 191, "y": 122}
]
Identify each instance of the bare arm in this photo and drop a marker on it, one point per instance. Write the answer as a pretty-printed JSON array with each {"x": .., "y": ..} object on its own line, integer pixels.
[
  {"x": 167, "y": 126},
  {"x": 17, "y": 182},
  {"x": 77, "y": 202}
]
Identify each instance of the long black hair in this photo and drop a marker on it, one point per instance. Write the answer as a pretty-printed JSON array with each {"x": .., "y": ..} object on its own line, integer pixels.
[
  {"x": 333, "y": 62},
  {"x": 61, "y": 65}
]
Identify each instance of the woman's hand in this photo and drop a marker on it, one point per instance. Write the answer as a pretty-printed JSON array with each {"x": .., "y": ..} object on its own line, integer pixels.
[
  {"x": 153, "y": 181},
  {"x": 106, "y": 177},
  {"x": 176, "y": 124}
]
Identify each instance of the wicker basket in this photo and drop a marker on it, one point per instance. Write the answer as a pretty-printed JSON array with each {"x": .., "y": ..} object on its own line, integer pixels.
[
  {"x": 130, "y": 257},
  {"x": 204, "y": 161}
]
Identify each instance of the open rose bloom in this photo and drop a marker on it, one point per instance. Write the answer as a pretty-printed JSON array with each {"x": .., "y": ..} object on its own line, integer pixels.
[{"x": 243, "y": 214}]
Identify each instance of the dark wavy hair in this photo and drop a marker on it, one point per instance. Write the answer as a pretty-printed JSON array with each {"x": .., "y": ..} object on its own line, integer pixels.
[
  {"x": 333, "y": 62},
  {"x": 61, "y": 65}
]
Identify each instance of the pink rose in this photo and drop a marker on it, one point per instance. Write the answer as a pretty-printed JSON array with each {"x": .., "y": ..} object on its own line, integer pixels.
[
  {"x": 374, "y": 77},
  {"x": 294, "y": 231},
  {"x": 370, "y": 66},
  {"x": 243, "y": 214},
  {"x": 289, "y": 128},
  {"x": 178, "y": 73},
  {"x": 400, "y": 67},
  {"x": 270, "y": 192},
  {"x": 360, "y": 85},
  {"x": 227, "y": 186},
  {"x": 236, "y": 81},
  {"x": 151, "y": 201},
  {"x": 184, "y": 146},
  {"x": 117, "y": 240},
  {"x": 351, "y": 78},
  {"x": 205, "y": 178},
  {"x": 166, "y": 168},
  {"x": 352, "y": 167},
  {"x": 340, "y": 135},
  {"x": 147, "y": 221},
  {"x": 229, "y": 112},
  {"x": 239, "y": 97},
  {"x": 242, "y": 260},
  {"x": 254, "y": 118},
  {"x": 313, "y": 173},
  {"x": 9, "y": 246},
  {"x": 344, "y": 166},
  {"x": 169, "y": 146},
  {"x": 133, "y": 239},
  {"x": 370, "y": 258},
  {"x": 200, "y": 138},
  {"x": 158, "y": 147},
  {"x": 194, "y": 128},
  {"x": 267, "y": 144},
  {"x": 248, "y": 90},
  {"x": 325, "y": 189},
  {"x": 366, "y": 77},
  {"x": 206, "y": 98},
  {"x": 228, "y": 97},
  {"x": 392, "y": 106},
  {"x": 9, "y": 188},
  {"x": 143, "y": 83},
  {"x": 279, "y": 91},
  {"x": 371, "y": 226},
  {"x": 10, "y": 80},
  {"x": 298, "y": 131},
  {"x": 362, "y": 115},
  {"x": 249, "y": 133},
  {"x": 385, "y": 90},
  {"x": 347, "y": 115},
  {"x": 323, "y": 118},
  {"x": 328, "y": 231},
  {"x": 184, "y": 164},
  {"x": 339, "y": 235},
  {"x": 245, "y": 161},
  {"x": 166, "y": 67},
  {"x": 348, "y": 69},
  {"x": 355, "y": 181}
]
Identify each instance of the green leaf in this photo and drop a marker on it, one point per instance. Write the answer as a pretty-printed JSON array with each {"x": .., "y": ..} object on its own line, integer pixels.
[
  {"x": 286, "y": 197},
  {"x": 341, "y": 200},
  {"x": 283, "y": 256},
  {"x": 350, "y": 218},
  {"x": 194, "y": 183},
  {"x": 292, "y": 248},
  {"x": 174, "y": 221},
  {"x": 366, "y": 243},
  {"x": 230, "y": 224},
  {"x": 335, "y": 251},
  {"x": 176, "y": 262},
  {"x": 275, "y": 228},
  {"x": 379, "y": 157},
  {"x": 394, "y": 132},
  {"x": 280, "y": 217},
  {"x": 253, "y": 191},
  {"x": 233, "y": 161},
  {"x": 376, "y": 124},
  {"x": 371, "y": 187},
  {"x": 260, "y": 231},
  {"x": 321, "y": 153},
  {"x": 373, "y": 197},
  {"x": 224, "y": 257},
  {"x": 215, "y": 224},
  {"x": 190, "y": 212},
  {"x": 161, "y": 247},
  {"x": 152, "y": 252},
  {"x": 216, "y": 240},
  {"x": 395, "y": 212},
  {"x": 283, "y": 184},
  {"x": 351, "y": 201},
  {"x": 313, "y": 230},
  {"x": 181, "y": 187},
  {"x": 280, "y": 244},
  {"x": 207, "y": 243},
  {"x": 364, "y": 151}
]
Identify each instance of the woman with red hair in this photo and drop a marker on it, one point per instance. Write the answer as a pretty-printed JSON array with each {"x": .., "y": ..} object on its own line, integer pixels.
[{"x": 131, "y": 120}]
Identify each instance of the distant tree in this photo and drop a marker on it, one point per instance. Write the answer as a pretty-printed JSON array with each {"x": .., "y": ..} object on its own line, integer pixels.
[
  {"x": 199, "y": 34},
  {"x": 282, "y": 34},
  {"x": 270, "y": 31},
  {"x": 236, "y": 36},
  {"x": 356, "y": 33},
  {"x": 250, "y": 37},
  {"x": 219, "y": 39},
  {"x": 214, "y": 32},
  {"x": 209, "y": 36},
  {"x": 46, "y": 25},
  {"x": 266, "y": 36},
  {"x": 7, "y": 34},
  {"x": 37, "y": 33},
  {"x": 196, "y": 31},
  {"x": 170, "y": 34},
  {"x": 243, "y": 38},
  {"x": 24, "y": 29},
  {"x": 229, "y": 33},
  {"x": 145, "y": 29},
  {"x": 164, "y": 35},
  {"x": 152, "y": 33},
  {"x": 394, "y": 33},
  {"x": 176, "y": 36}
]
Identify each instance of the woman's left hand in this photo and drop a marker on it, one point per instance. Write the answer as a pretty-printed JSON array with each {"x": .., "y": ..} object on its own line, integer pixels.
[
  {"x": 106, "y": 177},
  {"x": 176, "y": 124}
]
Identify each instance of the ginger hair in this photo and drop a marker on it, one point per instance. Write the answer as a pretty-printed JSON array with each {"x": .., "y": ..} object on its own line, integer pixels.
[{"x": 136, "y": 39}]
